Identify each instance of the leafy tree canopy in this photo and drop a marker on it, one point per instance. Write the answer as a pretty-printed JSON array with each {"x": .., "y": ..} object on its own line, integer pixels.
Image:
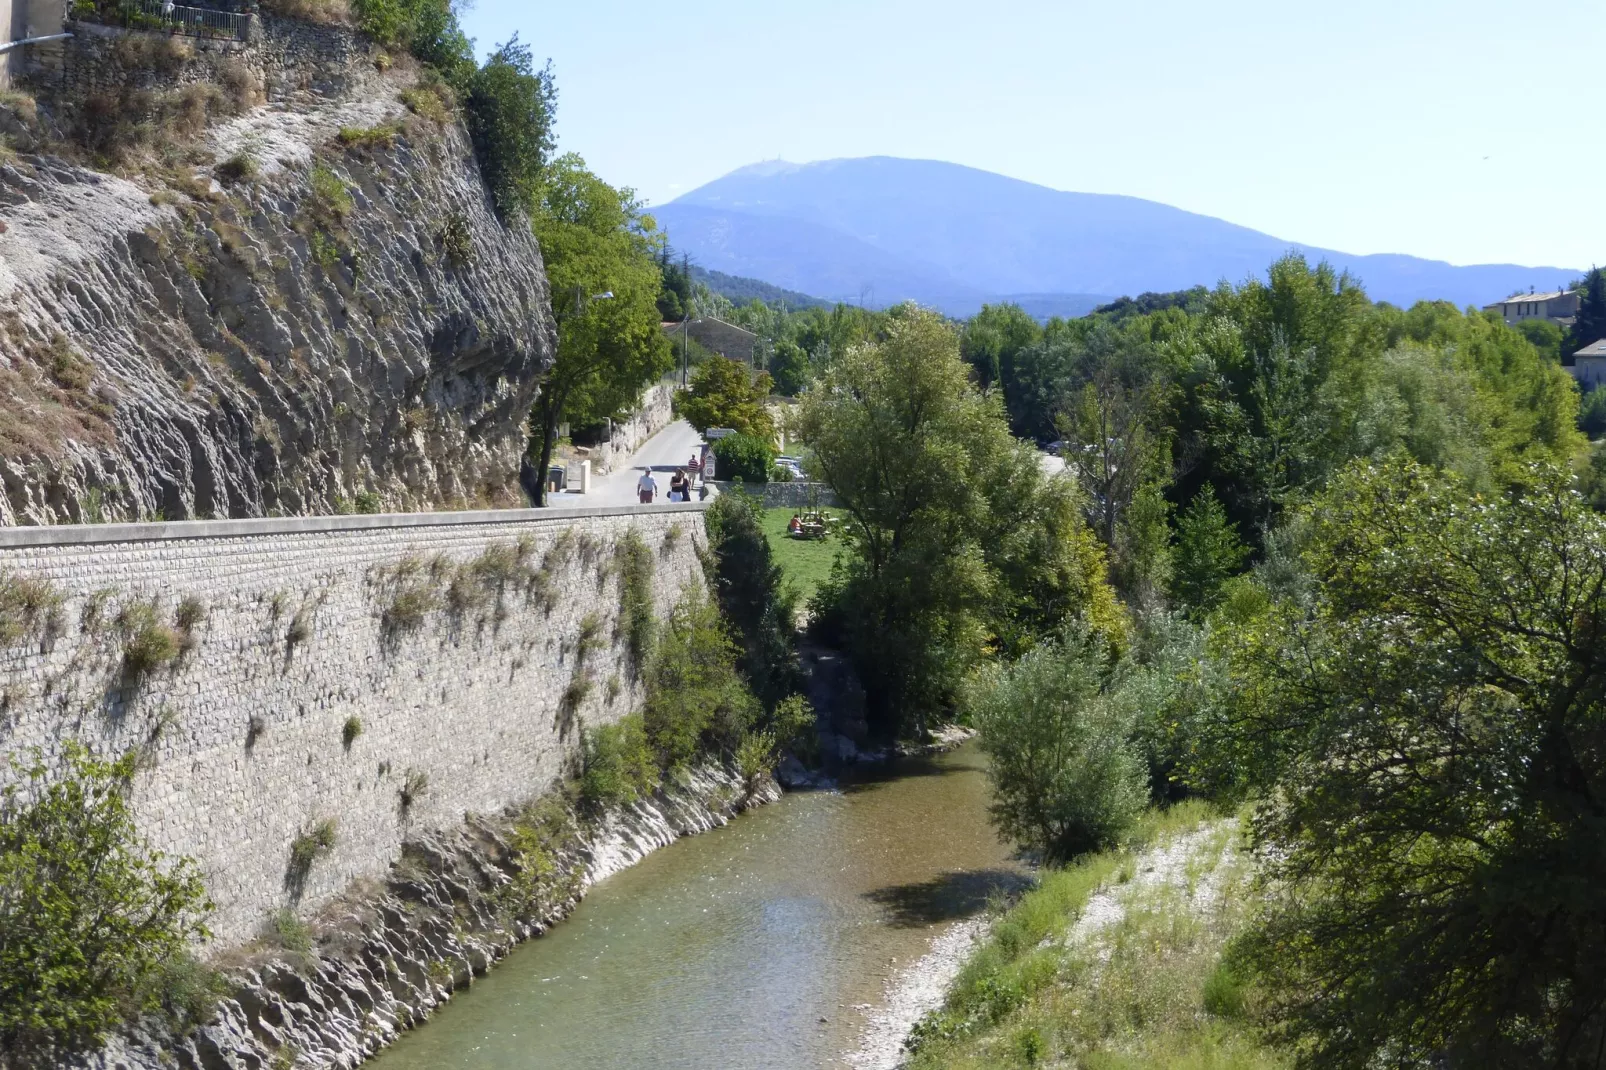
[
  {"x": 725, "y": 394},
  {"x": 596, "y": 240},
  {"x": 1427, "y": 719}
]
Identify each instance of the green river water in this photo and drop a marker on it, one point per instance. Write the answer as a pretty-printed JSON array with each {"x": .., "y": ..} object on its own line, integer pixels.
[{"x": 765, "y": 944}]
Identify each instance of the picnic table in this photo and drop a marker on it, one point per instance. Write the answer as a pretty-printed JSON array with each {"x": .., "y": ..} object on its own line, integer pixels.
[{"x": 815, "y": 525}]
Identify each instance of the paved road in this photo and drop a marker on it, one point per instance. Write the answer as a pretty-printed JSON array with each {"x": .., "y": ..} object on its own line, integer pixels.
[{"x": 669, "y": 449}]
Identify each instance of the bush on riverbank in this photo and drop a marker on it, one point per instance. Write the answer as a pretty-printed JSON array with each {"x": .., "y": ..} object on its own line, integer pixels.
[{"x": 94, "y": 924}]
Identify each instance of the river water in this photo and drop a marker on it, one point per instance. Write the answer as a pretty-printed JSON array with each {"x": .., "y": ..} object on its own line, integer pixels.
[{"x": 765, "y": 944}]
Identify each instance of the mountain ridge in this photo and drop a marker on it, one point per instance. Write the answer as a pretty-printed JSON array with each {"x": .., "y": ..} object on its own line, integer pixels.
[{"x": 878, "y": 230}]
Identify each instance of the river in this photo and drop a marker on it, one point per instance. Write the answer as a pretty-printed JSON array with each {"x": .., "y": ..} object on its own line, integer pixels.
[{"x": 765, "y": 944}]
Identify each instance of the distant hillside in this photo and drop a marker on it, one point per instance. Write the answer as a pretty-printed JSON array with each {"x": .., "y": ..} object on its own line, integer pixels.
[
  {"x": 880, "y": 230},
  {"x": 739, "y": 290}
]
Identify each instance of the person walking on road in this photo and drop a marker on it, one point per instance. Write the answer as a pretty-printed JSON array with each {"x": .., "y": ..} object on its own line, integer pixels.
[{"x": 647, "y": 487}]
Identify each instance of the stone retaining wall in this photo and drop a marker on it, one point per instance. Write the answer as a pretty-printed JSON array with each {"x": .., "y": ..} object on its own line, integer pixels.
[
  {"x": 784, "y": 495},
  {"x": 338, "y": 658}
]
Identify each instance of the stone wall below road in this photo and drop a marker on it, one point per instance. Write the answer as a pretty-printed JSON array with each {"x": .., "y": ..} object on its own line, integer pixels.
[
  {"x": 336, "y": 661},
  {"x": 784, "y": 495}
]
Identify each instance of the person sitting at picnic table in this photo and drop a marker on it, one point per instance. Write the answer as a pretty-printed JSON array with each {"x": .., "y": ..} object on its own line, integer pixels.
[
  {"x": 647, "y": 487},
  {"x": 794, "y": 527}
]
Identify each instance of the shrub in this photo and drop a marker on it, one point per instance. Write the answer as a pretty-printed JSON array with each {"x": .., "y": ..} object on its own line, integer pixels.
[
  {"x": 745, "y": 458},
  {"x": 241, "y": 167},
  {"x": 748, "y": 585},
  {"x": 431, "y": 100},
  {"x": 368, "y": 137},
  {"x": 414, "y": 785},
  {"x": 697, "y": 703},
  {"x": 1066, "y": 778},
  {"x": 26, "y": 607},
  {"x": 309, "y": 845},
  {"x": 292, "y": 933},
  {"x": 369, "y": 503},
  {"x": 148, "y": 644},
  {"x": 636, "y": 620},
  {"x": 456, "y": 241},
  {"x": 350, "y": 731},
  {"x": 330, "y": 201},
  {"x": 409, "y": 607},
  {"x": 589, "y": 639},
  {"x": 89, "y": 913},
  {"x": 755, "y": 758},
  {"x": 618, "y": 764}
]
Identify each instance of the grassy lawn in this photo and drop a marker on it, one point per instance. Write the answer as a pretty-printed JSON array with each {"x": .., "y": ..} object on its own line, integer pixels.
[{"x": 806, "y": 562}]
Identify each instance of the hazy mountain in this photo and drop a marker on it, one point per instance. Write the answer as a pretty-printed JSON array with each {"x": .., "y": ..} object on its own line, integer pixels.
[
  {"x": 882, "y": 229},
  {"x": 740, "y": 290}
]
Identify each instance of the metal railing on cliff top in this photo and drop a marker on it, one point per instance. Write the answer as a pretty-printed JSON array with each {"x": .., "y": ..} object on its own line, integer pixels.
[{"x": 188, "y": 21}]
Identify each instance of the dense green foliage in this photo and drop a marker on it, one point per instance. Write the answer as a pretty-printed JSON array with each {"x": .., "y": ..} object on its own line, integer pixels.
[
  {"x": 697, "y": 703},
  {"x": 1427, "y": 717},
  {"x": 724, "y": 393},
  {"x": 507, "y": 102},
  {"x": 1589, "y": 326},
  {"x": 94, "y": 924},
  {"x": 596, "y": 240},
  {"x": 744, "y": 458},
  {"x": 508, "y": 106},
  {"x": 747, "y": 583},
  {"x": 959, "y": 542},
  {"x": 1068, "y": 776}
]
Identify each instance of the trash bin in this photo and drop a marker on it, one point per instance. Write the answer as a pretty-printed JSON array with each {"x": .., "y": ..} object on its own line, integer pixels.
[{"x": 556, "y": 477}]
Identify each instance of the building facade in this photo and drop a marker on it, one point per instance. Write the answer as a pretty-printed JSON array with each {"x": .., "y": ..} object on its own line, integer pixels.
[
  {"x": 1589, "y": 366},
  {"x": 21, "y": 20},
  {"x": 1558, "y": 306}
]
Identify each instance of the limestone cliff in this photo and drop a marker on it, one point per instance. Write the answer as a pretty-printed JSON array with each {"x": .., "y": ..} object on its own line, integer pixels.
[{"x": 303, "y": 305}]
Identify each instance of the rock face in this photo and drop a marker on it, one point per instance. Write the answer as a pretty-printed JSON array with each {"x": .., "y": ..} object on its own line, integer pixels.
[
  {"x": 346, "y": 322},
  {"x": 454, "y": 906}
]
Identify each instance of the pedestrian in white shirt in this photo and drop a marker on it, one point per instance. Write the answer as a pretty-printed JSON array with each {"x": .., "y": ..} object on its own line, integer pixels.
[{"x": 647, "y": 487}]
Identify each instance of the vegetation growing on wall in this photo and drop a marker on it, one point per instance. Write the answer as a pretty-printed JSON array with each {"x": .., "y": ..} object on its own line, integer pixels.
[{"x": 94, "y": 924}]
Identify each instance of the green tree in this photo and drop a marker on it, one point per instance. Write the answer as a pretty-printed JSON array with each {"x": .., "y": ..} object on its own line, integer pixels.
[
  {"x": 90, "y": 915},
  {"x": 1546, "y": 337},
  {"x": 675, "y": 298},
  {"x": 1427, "y": 729},
  {"x": 1066, "y": 776},
  {"x": 1208, "y": 552},
  {"x": 747, "y": 583},
  {"x": 595, "y": 240},
  {"x": 508, "y": 108},
  {"x": 789, "y": 364},
  {"x": 1590, "y": 325},
  {"x": 427, "y": 28},
  {"x": 724, "y": 393},
  {"x": 957, "y": 539},
  {"x": 1114, "y": 432},
  {"x": 993, "y": 338}
]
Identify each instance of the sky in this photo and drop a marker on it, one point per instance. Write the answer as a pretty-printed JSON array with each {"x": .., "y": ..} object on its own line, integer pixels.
[{"x": 1460, "y": 130}]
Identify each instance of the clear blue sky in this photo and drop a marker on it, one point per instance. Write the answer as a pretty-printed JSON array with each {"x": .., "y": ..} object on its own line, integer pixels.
[{"x": 1464, "y": 130}]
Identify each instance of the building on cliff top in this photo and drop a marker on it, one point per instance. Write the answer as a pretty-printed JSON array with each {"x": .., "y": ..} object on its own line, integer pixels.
[{"x": 24, "y": 20}]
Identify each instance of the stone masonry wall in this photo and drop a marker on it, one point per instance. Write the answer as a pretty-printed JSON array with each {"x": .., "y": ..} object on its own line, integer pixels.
[{"x": 308, "y": 624}]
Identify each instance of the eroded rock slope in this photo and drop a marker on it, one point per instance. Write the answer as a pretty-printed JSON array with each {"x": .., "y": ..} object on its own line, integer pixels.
[{"x": 345, "y": 320}]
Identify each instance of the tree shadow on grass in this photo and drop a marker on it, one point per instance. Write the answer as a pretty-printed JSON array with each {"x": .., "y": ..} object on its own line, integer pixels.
[{"x": 947, "y": 896}]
